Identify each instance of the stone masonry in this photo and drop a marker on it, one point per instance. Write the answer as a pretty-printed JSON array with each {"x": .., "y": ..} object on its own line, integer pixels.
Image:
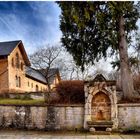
[
  {"x": 42, "y": 117},
  {"x": 100, "y": 101}
]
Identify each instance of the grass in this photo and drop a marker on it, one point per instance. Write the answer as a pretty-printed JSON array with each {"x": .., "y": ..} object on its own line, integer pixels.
[{"x": 21, "y": 102}]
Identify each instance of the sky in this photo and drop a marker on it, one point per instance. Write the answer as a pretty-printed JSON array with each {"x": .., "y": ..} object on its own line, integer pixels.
[{"x": 35, "y": 23}]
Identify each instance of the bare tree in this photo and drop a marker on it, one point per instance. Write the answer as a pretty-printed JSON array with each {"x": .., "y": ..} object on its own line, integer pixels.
[
  {"x": 43, "y": 59},
  {"x": 68, "y": 68}
]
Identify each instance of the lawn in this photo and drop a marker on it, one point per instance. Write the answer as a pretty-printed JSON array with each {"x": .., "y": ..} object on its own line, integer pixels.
[{"x": 21, "y": 101}]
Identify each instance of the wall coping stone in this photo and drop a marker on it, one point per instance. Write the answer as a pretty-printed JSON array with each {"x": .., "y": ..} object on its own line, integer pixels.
[
  {"x": 129, "y": 105},
  {"x": 46, "y": 105}
]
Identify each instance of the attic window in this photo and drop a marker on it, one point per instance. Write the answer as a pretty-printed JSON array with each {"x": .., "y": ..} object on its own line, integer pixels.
[
  {"x": 12, "y": 62},
  {"x": 32, "y": 85},
  {"x": 21, "y": 66},
  {"x": 17, "y": 60},
  {"x": 28, "y": 84}
]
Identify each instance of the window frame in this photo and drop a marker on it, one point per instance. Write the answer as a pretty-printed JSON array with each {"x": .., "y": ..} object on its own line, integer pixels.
[{"x": 17, "y": 61}]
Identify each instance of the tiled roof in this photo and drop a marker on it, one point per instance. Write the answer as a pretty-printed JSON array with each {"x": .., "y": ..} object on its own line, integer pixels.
[
  {"x": 40, "y": 74},
  {"x": 51, "y": 73},
  {"x": 7, "y": 47},
  {"x": 35, "y": 74}
]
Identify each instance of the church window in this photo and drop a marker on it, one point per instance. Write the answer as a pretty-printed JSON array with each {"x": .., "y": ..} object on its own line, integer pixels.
[
  {"x": 17, "y": 60},
  {"x": 21, "y": 66},
  {"x": 36, "y": 87},
  {"x": 12, "y": 62},
  {"x": 16, "y": 79},
  {"x": 19, "y": 81},
  {"x": 28, "y": 84}
]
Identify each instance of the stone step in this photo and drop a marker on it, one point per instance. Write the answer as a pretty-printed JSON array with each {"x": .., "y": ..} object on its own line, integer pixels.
[
  {"x": 100, "y": 133},
  {"x": 100, "y": 123}
]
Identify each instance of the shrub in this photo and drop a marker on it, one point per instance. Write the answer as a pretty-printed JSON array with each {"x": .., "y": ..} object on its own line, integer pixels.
[{"x": 71, "y": 91}]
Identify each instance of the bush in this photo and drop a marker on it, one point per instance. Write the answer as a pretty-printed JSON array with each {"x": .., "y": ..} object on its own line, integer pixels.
[{"x": 71, "y": 92}]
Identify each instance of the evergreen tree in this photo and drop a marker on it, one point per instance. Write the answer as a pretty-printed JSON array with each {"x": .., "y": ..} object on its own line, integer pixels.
[{"x": 92, "y": 30}]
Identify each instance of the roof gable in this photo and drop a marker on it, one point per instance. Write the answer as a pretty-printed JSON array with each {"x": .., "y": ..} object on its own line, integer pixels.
[
  {"x": 6, "y": 49},
  {"x": 99, "y": 78}
]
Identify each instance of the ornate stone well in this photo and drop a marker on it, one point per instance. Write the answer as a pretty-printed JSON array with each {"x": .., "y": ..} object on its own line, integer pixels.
[{"x": 100, "y": 104}]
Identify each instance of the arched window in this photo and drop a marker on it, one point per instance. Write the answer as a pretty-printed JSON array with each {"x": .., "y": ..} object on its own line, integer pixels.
[
  {"x": 16, "y": 80},
  {"x": 32, "y": 85},
  {"x": 17, "y": 60},
  {"x": 36, "y": 87},
  {"x": 21, "y": 65},
  {"x": 12, "y": 62},
  {"x": 28, "y": 84},
  {"x": 19, "y": 81}
]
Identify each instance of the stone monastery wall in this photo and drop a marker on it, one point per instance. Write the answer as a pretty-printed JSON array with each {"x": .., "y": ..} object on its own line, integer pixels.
[
  {"x": 61, "y": 117},
  {"x": 39, "y": 117},
  {"x": 128, "y": 116}
]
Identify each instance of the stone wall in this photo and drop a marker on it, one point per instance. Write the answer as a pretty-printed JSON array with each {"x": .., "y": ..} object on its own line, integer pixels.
[
  {"x": 42, "y": 117},
  {"x": 128, "y": 116}
]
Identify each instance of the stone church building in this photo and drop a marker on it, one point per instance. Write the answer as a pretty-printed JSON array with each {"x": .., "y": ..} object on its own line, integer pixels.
[{"x": 16, "y": 73}]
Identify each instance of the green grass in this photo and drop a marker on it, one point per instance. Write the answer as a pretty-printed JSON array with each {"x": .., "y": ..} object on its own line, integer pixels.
[{"x": 21, "y": 102}]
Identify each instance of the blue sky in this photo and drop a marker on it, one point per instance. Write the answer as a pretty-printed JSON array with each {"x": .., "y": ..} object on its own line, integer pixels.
[{"x": 35, "y": 23}]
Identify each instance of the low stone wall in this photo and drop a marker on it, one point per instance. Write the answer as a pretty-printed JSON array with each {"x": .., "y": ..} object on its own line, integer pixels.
[
  {"x": 42, "y": 117},
  {"x": 128, "y": 116},
  {"x": 32, "y": 95}
]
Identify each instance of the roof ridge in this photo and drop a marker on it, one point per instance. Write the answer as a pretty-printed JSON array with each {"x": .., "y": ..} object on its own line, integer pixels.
[{"x": 10, "y": 41}]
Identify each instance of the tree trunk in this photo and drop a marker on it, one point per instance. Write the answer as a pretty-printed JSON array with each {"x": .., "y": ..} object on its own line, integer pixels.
[
  {"x": 47, "y": 94},
  {"x": 126, "y": 77}
]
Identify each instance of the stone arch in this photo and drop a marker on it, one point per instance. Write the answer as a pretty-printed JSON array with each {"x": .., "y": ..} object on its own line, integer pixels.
[
  {"x": 100, "y": 107},
  {"x": 89, "y": 99}
]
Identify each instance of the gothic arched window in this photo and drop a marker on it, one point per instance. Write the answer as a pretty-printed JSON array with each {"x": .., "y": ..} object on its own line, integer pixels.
[
  {"x": 17, "y": 60},
  {"x": 12, "y": 62},
  {"x": 16, "y": 80},
  {"x": 36, "y": 87},
  {"x": 19, "y": 81}
]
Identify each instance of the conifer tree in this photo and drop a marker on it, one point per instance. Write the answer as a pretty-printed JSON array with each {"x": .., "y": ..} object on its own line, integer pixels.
[{"x": 92, "y": 30}]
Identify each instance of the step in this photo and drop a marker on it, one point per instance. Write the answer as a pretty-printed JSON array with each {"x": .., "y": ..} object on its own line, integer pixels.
[
  {"x": 100, "y": 133},
  {"x": 100, "y": 123}
]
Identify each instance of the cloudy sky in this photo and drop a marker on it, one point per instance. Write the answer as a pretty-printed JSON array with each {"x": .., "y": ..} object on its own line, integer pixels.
[{"x": 35, "y": 23}]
